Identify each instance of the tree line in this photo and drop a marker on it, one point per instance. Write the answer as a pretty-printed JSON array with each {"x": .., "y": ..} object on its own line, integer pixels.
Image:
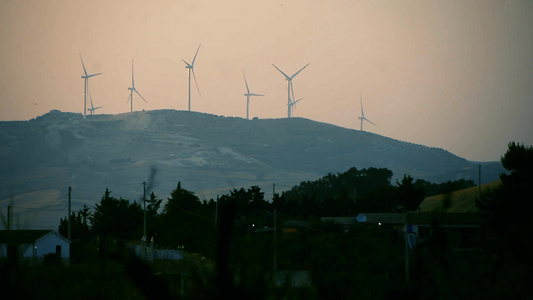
[{"x": 185, "y": 220}]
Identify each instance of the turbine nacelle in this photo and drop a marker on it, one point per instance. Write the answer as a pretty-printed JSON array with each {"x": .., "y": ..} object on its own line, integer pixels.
[{"x": 89, "y": 76}]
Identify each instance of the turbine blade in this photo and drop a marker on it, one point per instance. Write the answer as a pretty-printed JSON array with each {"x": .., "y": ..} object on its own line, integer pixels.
[
  {"x": 129, "y": 98},
  {"x": 188, "y": 65},
  {"x": 293, "y": 104},
  {"x": 92, "y": 75},
  {"x": 362, "y": 112},
  {"x": 196, "y": 82},
  {"x": 256, "y": 95},
  {"x": 281, "y": 72},
  {"x": 84, "y": 70},
  {"x": 299, "y": 71},
  {"x": 132, "y": 80},
  {"x": 97, "y": 107},
  {"x": 91, "y": 98},
  {"x": 192, "y": 64},
  {"x": 140, "y": 95},
  {"x": 370, "y": 122},
  {"x": 247, "y": 89}
]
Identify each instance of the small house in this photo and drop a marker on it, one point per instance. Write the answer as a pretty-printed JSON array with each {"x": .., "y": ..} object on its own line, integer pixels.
[{"x": 31, "y": 246}]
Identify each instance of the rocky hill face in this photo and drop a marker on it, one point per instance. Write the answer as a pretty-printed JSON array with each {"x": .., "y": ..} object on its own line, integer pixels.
[{"x": 209, "y": 154}]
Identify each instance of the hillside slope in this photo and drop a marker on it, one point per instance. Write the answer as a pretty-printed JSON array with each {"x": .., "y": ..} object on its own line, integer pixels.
[{"x": 209, "y": 154}]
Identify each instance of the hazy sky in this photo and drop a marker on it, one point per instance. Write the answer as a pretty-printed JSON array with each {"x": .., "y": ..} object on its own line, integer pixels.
[{"x": 456, "y": 75}]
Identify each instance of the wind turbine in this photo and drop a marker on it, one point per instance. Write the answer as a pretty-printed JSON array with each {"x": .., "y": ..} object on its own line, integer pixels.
[
  {"x": 290, "y": 89},
  {"x": 132, "y": 88},
  {"x": 293, "y": 103},
  {"x": 362, "y": 117},
  {"x": 190, "y": 66},
  {"x": 92, "y": 109},
  {"x": 86, "y": 87},
  {"x": 248, "y": 95}
]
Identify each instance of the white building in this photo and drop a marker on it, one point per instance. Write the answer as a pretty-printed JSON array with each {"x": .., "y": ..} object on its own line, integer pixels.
[{"x": 31, "y": 246}]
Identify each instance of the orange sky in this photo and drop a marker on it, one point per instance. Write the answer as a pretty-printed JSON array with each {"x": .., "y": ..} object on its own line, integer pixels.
[{"x": 450, "y": 74}]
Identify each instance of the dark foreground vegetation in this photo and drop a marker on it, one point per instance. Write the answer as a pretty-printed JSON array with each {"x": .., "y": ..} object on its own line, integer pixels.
[{"x": 235, "y": 246}]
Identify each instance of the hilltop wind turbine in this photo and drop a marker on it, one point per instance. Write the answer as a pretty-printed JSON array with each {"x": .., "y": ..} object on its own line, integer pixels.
[
  {"x": 92, "y": 109},
  {"x": 248, "y": 95},
  {"x": 132, "y": 88},
  {"x": 190, "y": 66},
  {"x": 362, "y": 117},
  {"x": 86, "y": 87},
  {"x": 293, "y": 103},
  {"x": 290, "y": 89}
]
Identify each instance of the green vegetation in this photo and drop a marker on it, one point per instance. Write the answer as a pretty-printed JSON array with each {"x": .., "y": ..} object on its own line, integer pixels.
[
  {"x": 507, "y": 211},
  {"x": 236, "y": 235}
]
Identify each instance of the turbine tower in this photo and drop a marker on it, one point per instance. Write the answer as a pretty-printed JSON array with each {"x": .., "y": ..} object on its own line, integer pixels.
[
  {"x": 290, "y": 89},
  {"x": 86, "y": 87},
  {"x": 132, "y": 88},
  {"x": 362, "y": 117},
  {"x": 293, "y": 103},
  {"x": 248, "y": 95},
  {"x": 190, "y": 66},
  {"x": 92, "y": 109}
]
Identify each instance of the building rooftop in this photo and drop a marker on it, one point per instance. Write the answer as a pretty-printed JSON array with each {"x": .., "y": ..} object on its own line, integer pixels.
[{"x": 21, "y": 236}]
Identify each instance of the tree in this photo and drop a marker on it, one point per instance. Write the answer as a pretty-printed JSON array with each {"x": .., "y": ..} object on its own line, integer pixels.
[
  {"x": 186, "y": 221},
  {"x": 518, "y": 160},
  {"x": 78, "y": 224},
  {"x": 152, "y": 207},
  {"x": 507, "y": 209},
  {"x": 334, "y": 194},
  {"x": 117, "y": 218},
  {"x": 408, "y": 194},
  {"x": 182, "y": 200}
]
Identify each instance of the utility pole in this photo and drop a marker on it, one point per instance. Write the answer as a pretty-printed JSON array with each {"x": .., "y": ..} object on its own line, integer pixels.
[
  {"x": 143, "y": 254},
  {"x": 479, "y": 180},
  {"x": 144, "y": 208},
  {"x": 273, "y": 189},
  {"x": 406, "y": 235},
  {"x": 216, "y": 211},
  {"x": 8, "y": 217},
  {"x": 69, "y": 222},
  {"x": 275, "y": 243}
]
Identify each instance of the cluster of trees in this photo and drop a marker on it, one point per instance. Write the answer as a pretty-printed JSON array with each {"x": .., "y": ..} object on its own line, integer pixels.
[
  {"x": 364, "y": 262},
  {"x": 185, "y": 220},
  {"x": 507, "y": 211},
  {"x": 366, "y": 190}
]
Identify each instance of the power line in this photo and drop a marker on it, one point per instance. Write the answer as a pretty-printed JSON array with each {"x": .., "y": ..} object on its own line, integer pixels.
[
  {"x": 38, "y": 208},
  {"x": 189, "y": 212}
]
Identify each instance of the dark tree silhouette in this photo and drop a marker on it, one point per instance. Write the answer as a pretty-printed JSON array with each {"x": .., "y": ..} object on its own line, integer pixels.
[
  {"x": 182, "y": 200},
  {"x": 187, "y": 222},
  {"x": 408, "y": 194},
  {"x": 117, "y": 218},
  {"x": 79, "y": 224}
]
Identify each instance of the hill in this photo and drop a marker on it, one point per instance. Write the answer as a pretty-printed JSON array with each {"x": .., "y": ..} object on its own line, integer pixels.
[
  {"x": 463, "y": 201},
  {"x": 209, "y": 154}
]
